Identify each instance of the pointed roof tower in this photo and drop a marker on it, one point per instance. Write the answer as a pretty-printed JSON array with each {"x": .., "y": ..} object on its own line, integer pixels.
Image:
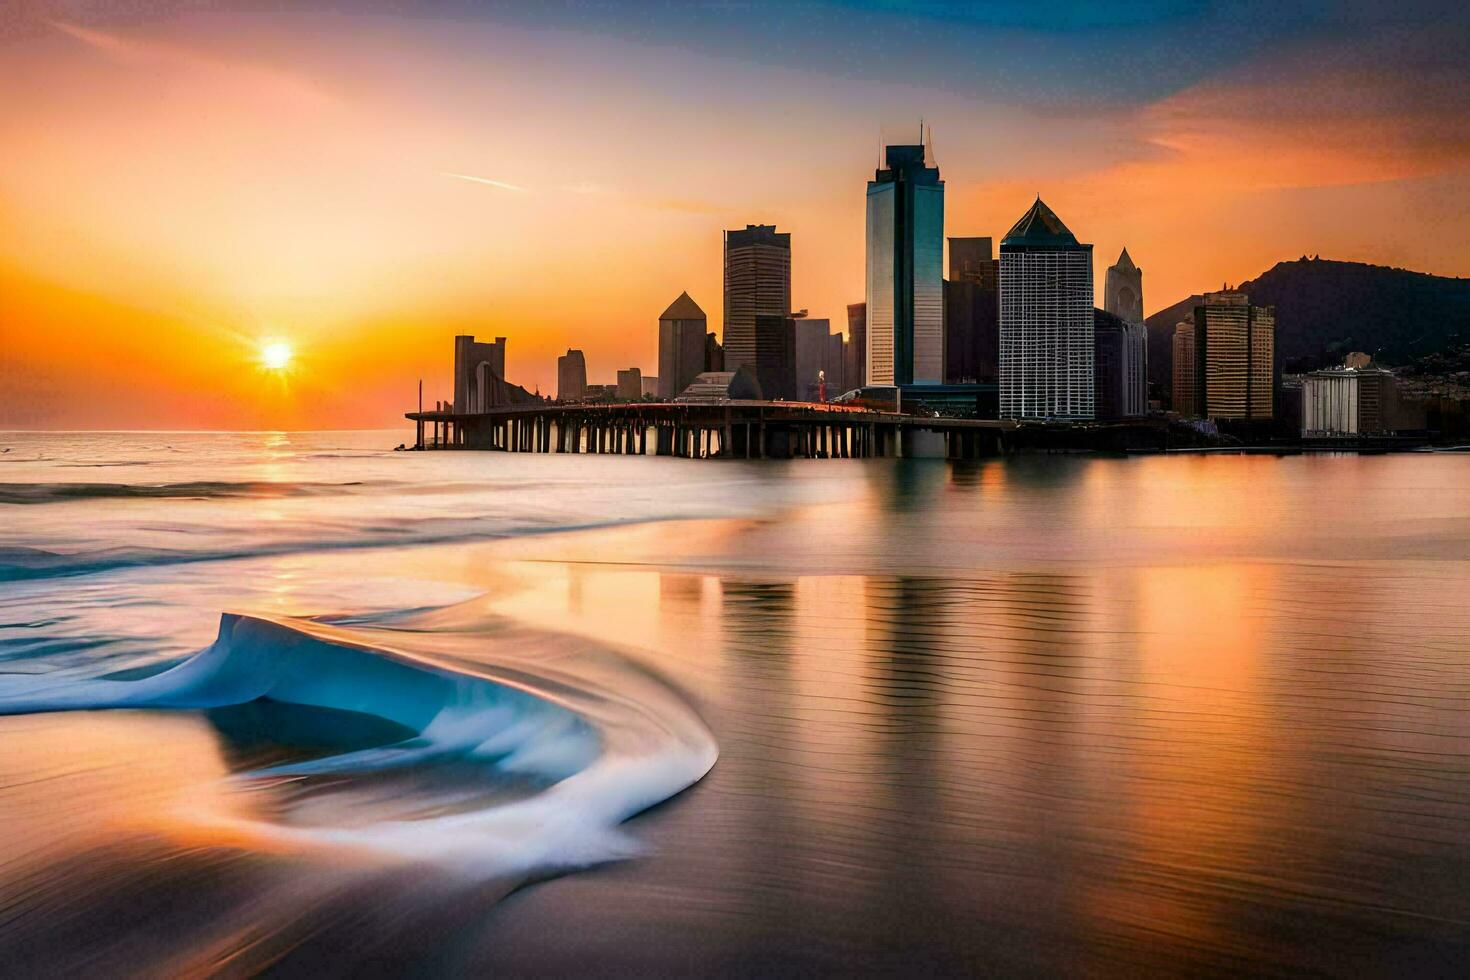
[
  {"x": 1125, "y": 262},
  {"x": 1039, "y": 227},
  {"x": 683, "y": 308}
]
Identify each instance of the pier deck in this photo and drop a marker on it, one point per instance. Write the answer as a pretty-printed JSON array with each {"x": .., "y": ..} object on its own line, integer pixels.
[{"x": 738, "y": 429}]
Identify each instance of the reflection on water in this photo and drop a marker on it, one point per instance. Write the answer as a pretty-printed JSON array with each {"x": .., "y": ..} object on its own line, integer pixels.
[{"x": 1026, "y": 716}]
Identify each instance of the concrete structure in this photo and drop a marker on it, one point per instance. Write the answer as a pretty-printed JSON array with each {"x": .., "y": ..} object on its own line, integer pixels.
[
  {"x": 835, "y": 370},
  {"x": 469, "y": 355},
  {"x": 682, "y": 329},
  {"x": 972, "y": 312},
  {"x": 1123, "y": 298},
  {"x": 1046, "y": 321},
  {"x": 571, "y": 376},
  {"x": 1110, "y": 341},
  {"x": 714, "y": 354},
  {"x": 1235, "y": 358},
  {"x": 1123, "y": 290},
  {"x": 650, "y": 387},
  {"x": 905, "y": 270},
  {"x": 1186, "y": 392},
  {"x": 775, "y": 360},
  {"x": 814, "y": 356},
  {"x": 855, "y": 365},
  {"x": 630, "y": 385},
  {"x": 757, "y": 284},
  {"x": 717, "y": 387},
  {"x": 1345, "y": 402}
]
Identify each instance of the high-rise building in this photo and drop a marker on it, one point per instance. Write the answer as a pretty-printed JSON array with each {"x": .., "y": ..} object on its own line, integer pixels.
[
  {"x": 681, "y": 342},
  {"x": 905, "y": 269},
  {"x": 972, "y": 312},
  {"x": 835, "y": 370},
  {"x": 1109, "y": 371},
  {"x": 757, "y": 283},
  {"x": 630, "y": 384},
  {"x": 571, "y": 376},
  {"x": 470, "y": 357},
  {"x": 714, "y": 354},
  {"x": 1186, "y": 391},
  {"x": 775, "y": 363},
  {"x": 813, "y": 354},
  {"x": 856, "y": 366},
  {"x": 1046, "y": 320},
  {"x": 1123, "y": 298},
  {"x": 1123, "y": 290},
  {"x": 1235, "y": 357}
]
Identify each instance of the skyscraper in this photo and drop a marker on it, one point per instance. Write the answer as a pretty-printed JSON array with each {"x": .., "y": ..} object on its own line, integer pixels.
[
  {"x": 757, "y": 283},
  {"x": 971, "y": 312},
  {"x": 1046, "y": 320},
  {"x": 775, "y": 361},
  {"x": 1123, "y": 290},
  {"x": 857, "y": 345},
  {"x": 1123, "y": 298},
  {"x": 1235, "y": 357},
  {"x": 1109, "y": 372},
  {"x": 1185, "y": 393},
  {"x": 571, "y": 376},
  {"x": 813, "y": 350},
  {"x": 905, "y": 268},
  {"x": 681, "y": 346}
]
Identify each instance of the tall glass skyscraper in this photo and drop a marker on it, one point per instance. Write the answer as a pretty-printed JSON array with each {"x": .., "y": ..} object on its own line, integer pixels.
[
  {"x": 905, "y": 290},
  {"x": 1046, "y": 321}
]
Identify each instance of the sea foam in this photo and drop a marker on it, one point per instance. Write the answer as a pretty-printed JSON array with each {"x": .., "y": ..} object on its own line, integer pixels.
[{"x": 598, "y": 749}]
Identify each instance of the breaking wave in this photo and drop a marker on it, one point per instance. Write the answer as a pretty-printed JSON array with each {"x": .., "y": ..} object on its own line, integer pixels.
[{"x": 579, "y": 749}]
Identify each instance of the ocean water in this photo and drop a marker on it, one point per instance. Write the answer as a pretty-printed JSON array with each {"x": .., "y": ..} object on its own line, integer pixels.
[{"x": 295, "y": 703}]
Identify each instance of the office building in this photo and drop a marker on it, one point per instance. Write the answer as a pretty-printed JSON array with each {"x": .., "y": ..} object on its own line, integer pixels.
[
  {"x": 855, "y": 366},
  {"x": 1123, "y": 290},
  {"x": 1123, "y": 298},
  {"x": 775, "y": 362},
  {"x": 905, "y": 270},
  {"x": 1235, "y": 354},
  {"x": 1046, "y": 320},
  {"x": 1344, "y": 402},
  {"x": 972, "y": 312},
  {"x": 714, "y": 354},
  {"x": 1109, "y": 366},
  {"x": 571, "y": 376},
  {"x": 630, "y": 385},
  {"x": 757, "y": 284},
  {"x": 682, "y": 329},
  {"x": 651, "y": 387},
  {"x": 813, "y": 355},
  {"x": 1185, "y": 391}
]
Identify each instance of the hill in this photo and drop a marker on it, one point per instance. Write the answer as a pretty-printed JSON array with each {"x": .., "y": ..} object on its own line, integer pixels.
[{"x": 1325, "y": 309}]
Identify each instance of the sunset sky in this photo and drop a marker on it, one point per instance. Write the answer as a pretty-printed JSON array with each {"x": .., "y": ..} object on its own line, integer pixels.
[{"x": 182, "y": 184}]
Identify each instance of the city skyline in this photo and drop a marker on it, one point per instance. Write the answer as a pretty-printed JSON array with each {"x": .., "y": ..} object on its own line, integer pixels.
[{"x": 161, "y": 228}]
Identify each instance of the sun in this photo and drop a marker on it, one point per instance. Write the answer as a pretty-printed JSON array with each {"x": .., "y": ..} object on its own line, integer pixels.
[{"x": 275, "y": 355}]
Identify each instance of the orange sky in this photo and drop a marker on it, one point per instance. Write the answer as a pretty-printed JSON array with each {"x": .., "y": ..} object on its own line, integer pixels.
[{"x": 177, "y": 189}]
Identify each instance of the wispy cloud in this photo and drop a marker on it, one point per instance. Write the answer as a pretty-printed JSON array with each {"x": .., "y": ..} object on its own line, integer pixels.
[{"x": 486, "y": 180}]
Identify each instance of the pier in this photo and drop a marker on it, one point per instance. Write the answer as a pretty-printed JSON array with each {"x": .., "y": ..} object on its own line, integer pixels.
[{"x": 735, "y": 429}]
